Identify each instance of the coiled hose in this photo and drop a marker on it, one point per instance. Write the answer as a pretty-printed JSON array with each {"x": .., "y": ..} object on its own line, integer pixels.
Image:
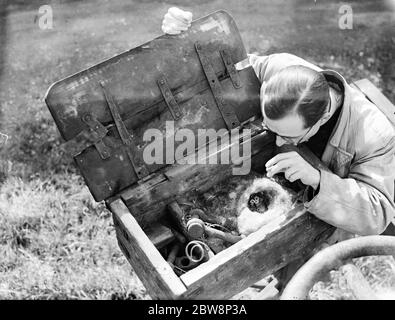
[{"x": 332, "y": 258}]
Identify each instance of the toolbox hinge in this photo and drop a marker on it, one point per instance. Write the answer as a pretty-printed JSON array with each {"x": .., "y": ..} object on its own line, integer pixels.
[
  {"x": 226, "y": 111},
  {"x": 231, "y": 69},
  {"x": 92, "y": 136},
  {"x": 127, "y": 138},
  {"x": 170, "y": 100}
]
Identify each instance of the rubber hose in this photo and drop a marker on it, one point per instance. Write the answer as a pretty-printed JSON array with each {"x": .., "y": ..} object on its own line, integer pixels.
[{"x": 332, "y": 258}]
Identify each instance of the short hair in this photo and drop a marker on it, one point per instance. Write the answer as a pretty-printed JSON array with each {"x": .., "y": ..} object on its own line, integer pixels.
[{"x": 296, "y": 89}]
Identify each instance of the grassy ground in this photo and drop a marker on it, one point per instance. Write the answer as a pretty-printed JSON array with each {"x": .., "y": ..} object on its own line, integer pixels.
[{"x": 55, "y": 241}]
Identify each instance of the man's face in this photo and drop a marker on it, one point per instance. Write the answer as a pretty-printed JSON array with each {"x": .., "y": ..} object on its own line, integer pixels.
[{"x": 289, "y": 130}]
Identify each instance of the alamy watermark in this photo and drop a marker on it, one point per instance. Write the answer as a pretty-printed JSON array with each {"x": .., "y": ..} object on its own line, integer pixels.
[
  {"x": 234, "y": 147},
  {"x": 45, "y": 20},
  {"x": 346, "y": 17}
]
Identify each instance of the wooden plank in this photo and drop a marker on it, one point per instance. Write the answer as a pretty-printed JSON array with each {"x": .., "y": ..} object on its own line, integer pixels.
[
  {"x": 287, "y": 238},
  {"x": 357, "y": 283},
  {"x": 154, "y": 272}
]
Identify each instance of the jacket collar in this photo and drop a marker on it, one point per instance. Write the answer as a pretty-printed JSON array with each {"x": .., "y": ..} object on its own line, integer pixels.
[{"x": 341, "y": 124}]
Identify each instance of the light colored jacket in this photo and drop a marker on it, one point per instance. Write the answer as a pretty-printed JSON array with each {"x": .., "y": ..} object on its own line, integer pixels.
[{"x": 356, "y": 190}]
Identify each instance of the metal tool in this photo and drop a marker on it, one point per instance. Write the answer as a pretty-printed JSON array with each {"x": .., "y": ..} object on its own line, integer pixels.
[
  {"x": 225, "y": 222},
  {"x": 184, "y": 263},
  {"x": 198, "y": 251},
  {"x": 196, "y": 228},
  {"x": 173, "y": 253}
]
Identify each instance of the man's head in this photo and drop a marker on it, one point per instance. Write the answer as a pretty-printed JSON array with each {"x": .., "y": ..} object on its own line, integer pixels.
[{"x": 295, "y": 103}]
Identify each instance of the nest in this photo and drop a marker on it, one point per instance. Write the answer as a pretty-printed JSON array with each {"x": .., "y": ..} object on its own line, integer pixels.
[
  {"x": 260, "y": 203},
  {"x": 240, "y": 205}
]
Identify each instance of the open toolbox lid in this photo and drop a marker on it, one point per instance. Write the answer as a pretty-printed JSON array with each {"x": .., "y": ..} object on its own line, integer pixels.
[{"x": 187, "y": 80}]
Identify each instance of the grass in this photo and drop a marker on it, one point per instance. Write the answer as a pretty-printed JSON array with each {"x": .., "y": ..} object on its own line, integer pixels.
[
  {"x": 55, "y": 241},
  {"x": 378, "y": 271}
]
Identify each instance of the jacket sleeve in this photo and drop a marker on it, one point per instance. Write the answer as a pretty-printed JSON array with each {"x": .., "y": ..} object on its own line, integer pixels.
[
  {"x": 266, "y": 66},
  {"x": 363, "y": 202}
]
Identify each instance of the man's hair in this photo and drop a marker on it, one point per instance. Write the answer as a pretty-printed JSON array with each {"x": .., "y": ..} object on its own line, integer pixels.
[{"x": 296, "y": 89}]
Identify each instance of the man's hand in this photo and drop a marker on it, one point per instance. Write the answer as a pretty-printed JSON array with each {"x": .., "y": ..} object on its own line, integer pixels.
[
  {"x": 294, "y": 168},
  {"x": 176, "y": 20}
]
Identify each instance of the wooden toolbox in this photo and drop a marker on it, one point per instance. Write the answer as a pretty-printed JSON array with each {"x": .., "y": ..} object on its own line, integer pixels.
[{"x": 190, "y": 81}]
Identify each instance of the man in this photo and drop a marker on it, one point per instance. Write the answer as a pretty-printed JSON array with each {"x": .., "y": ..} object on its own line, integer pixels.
[{"x": 352, "y": 187}]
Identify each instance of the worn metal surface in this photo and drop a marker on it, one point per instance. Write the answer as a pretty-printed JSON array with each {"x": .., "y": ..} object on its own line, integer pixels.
[
  {"x": 171, "y": 102},
  {"x": 93, "y": 135},
  {"x": 231, "y": 69},
  {"x": 127, "y": 138},
  {"x": 131, "y": 78},
  {"x": 228, "y": 114}
]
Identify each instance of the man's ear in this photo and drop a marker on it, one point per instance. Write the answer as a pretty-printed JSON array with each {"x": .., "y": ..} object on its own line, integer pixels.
[
  {"x": 325, "y": 118},
  {"x": 327, "y": 114},
  {"x": 262, "y": 96},
  {"x": 263, "y": 89}
]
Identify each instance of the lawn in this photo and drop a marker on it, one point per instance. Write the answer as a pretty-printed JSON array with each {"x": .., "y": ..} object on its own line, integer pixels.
[{"x": 56, "y": 242}]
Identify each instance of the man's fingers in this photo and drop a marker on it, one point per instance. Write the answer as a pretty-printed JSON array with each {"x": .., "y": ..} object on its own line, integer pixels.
[
  {"x": 280, "y": 166},
  {"x": 169, "y": 20},
  {"x": 294, "y": 176},
  {"x": 280, "y": 156},
  {"x": 290, "y": 172},
  {"x": 168, "y": 30},
  {"x": 171, "y": 28},
  {"x": 181, "y": 15},
  {"x": 178, "y": 27}
]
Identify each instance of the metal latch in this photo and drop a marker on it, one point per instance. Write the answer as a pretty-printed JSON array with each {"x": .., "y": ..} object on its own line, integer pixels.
[
  {"x": 226, "y": 111},
  {"x": 126, "y": 137},
  {"x": 231, "y": 69},
  {"x": 170, "y": 100},
  {"x": 92, "y": 136}
]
